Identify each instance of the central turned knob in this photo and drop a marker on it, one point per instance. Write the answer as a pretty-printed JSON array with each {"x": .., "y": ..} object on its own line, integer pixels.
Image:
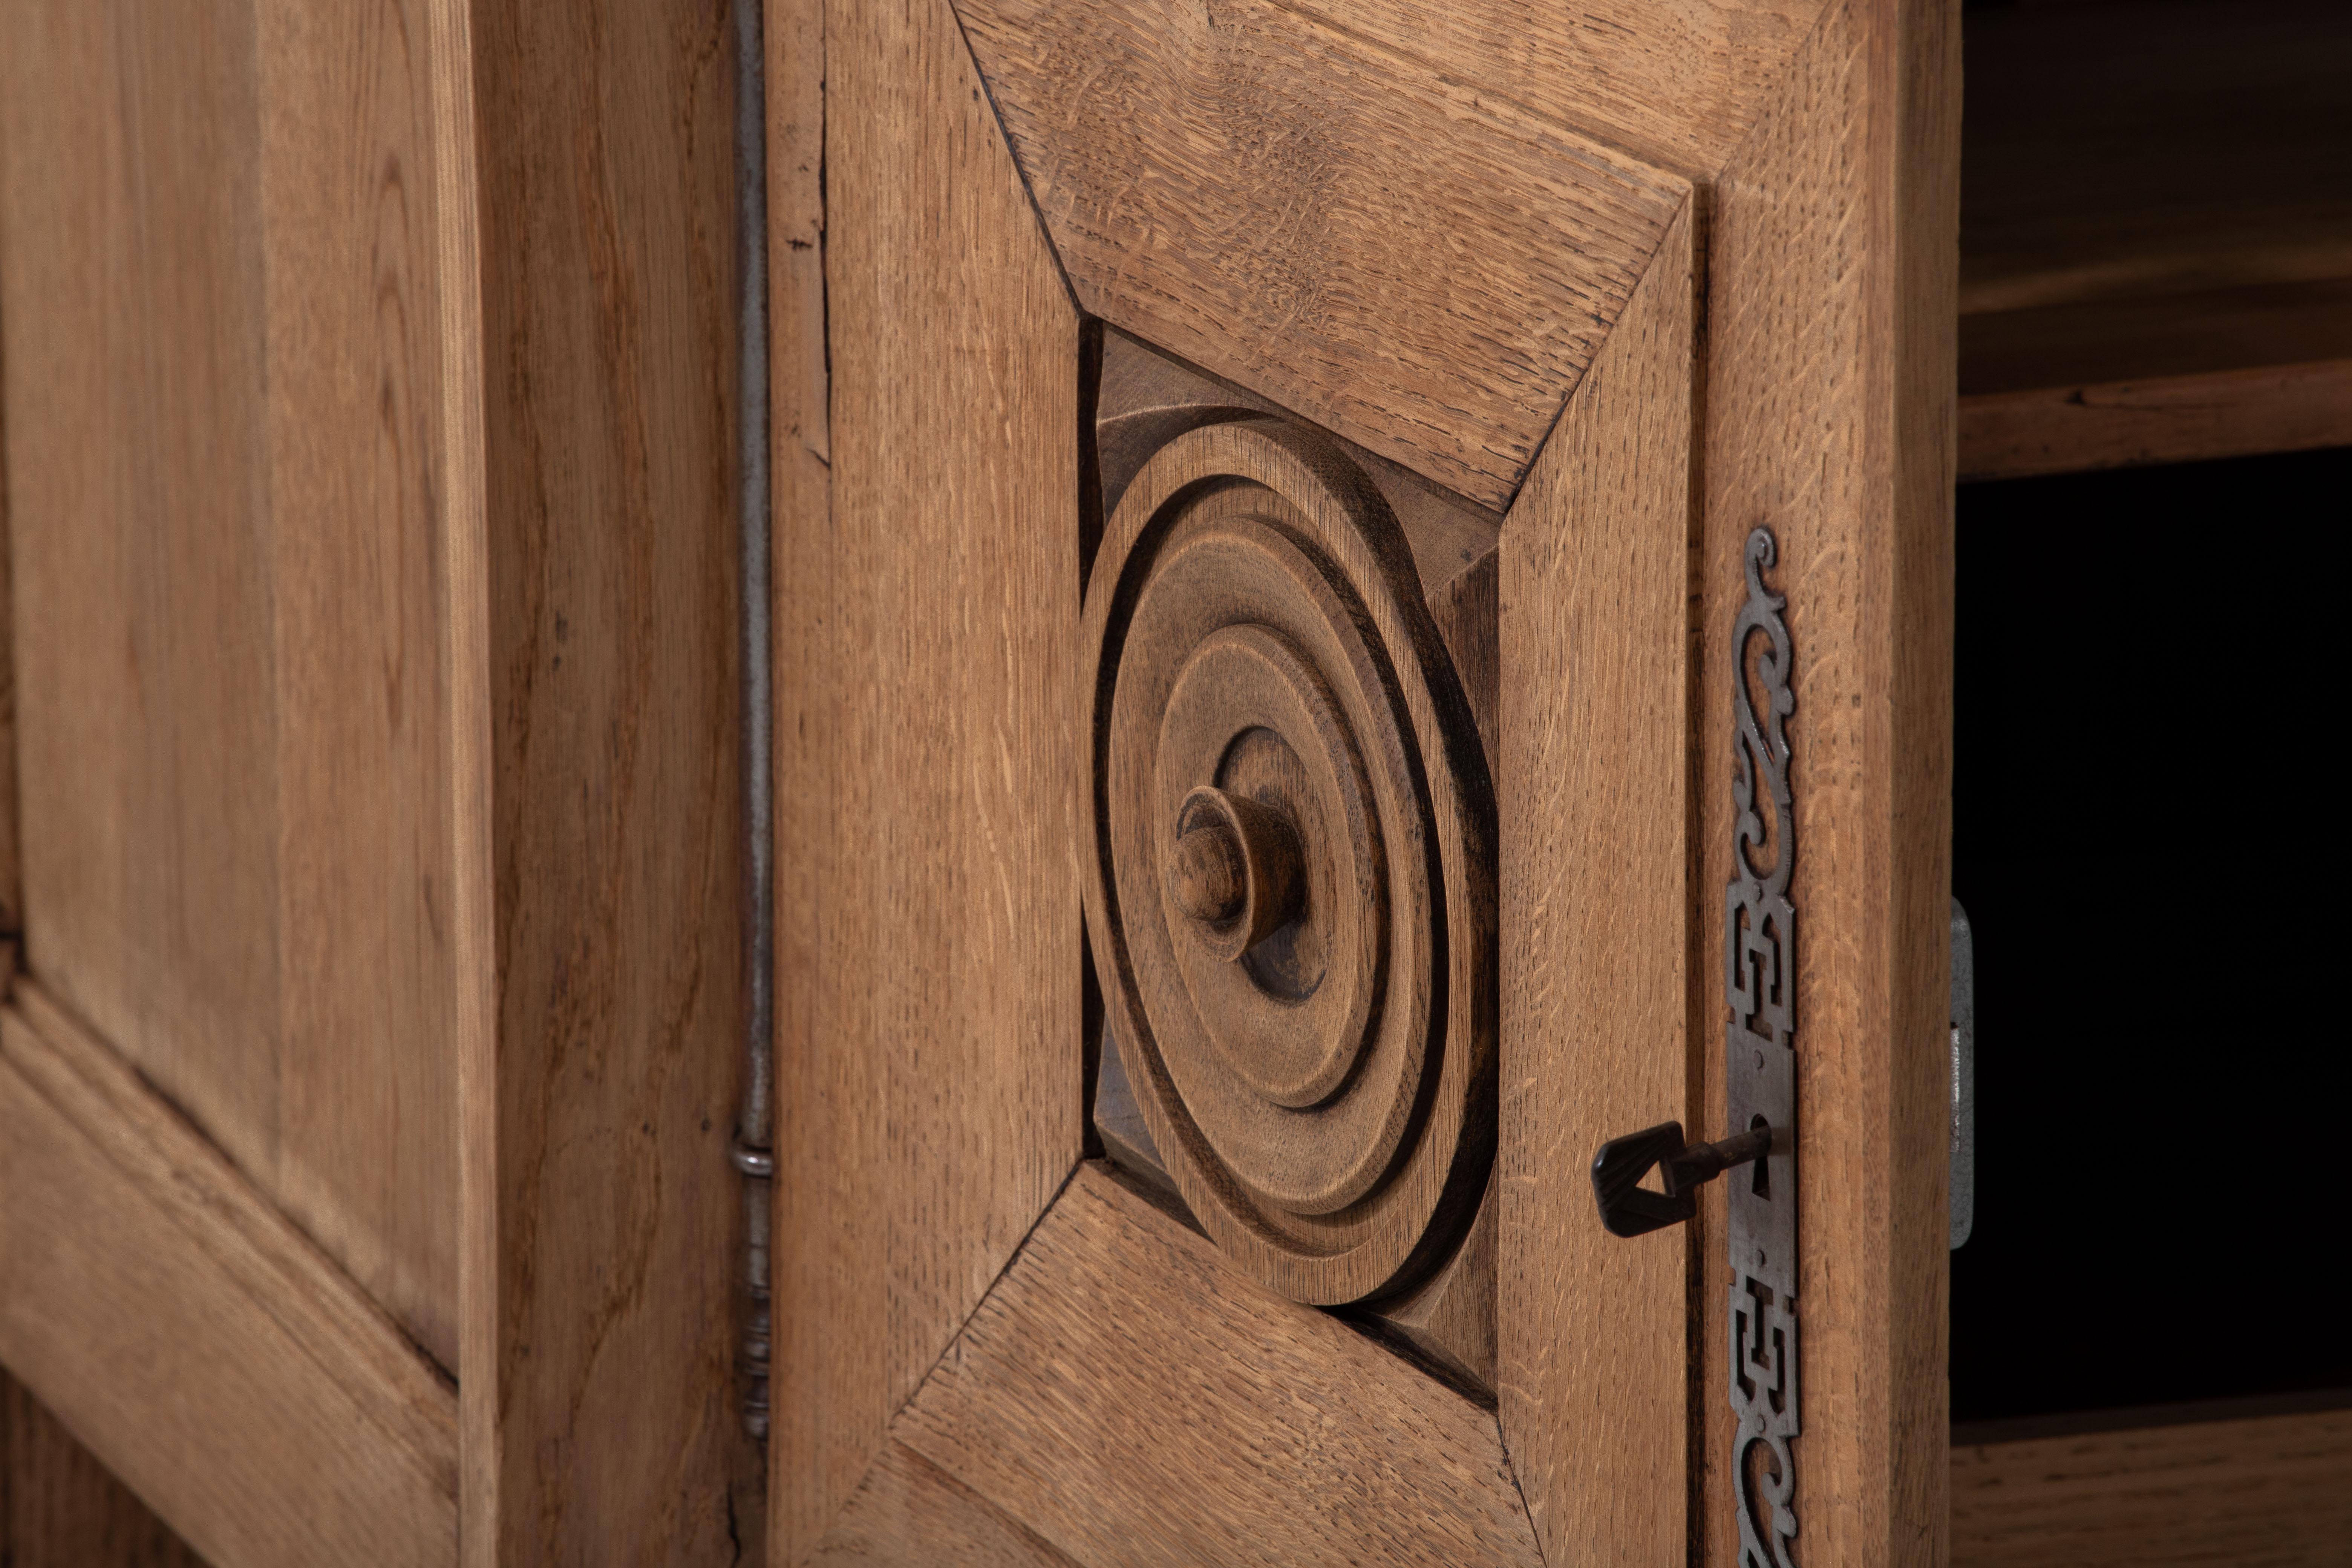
[{"x": 1235, "y": 870}]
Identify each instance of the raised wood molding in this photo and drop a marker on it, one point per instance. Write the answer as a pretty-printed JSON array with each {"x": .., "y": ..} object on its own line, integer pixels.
[
  {"x": 929, "y": 1024},
  {"x": 1444, "y": 264},
  {"x": 202, "y": 1348},
  {"x": 2272, "y": 1491},
  {"x": 1123, "y": 1395},
  {"x": 1599, "y": 918},
  {"x": 2165, "y": 419}
]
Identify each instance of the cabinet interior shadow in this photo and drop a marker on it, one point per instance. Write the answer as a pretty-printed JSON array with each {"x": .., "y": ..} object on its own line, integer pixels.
[{"x": 2147, "y": 836}]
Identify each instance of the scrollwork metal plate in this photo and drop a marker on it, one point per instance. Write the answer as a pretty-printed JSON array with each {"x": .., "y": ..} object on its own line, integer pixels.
[{"x": 1759, "y": 957}]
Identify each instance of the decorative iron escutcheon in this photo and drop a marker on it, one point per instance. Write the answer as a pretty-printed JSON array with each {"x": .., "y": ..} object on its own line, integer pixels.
[
  {"x": 1759, "y": 980},
  {"x": 1760, "y": 986}
]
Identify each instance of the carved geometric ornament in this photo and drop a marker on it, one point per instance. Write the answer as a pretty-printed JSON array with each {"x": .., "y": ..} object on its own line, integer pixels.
[{"x": 1290, "y": 876}]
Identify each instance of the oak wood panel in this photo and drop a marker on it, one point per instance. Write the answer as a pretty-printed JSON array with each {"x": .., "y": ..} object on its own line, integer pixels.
[
  {"x": 2268, "y": 1492},
  {"x": 367, "y": 1156},
  {"x": 211, "y": 1355},
  {"x": 1354, "y": 234},
  {"x": 1675, "y": 85},
  {"x": 907, "y": 1510},
  {"x": 2171, "y": 420},
  {"x": 929, "y": 1028},
  {"x": 2153, "y": 148},
  {"x": 223, "y": 465},
  {"x": 1598, "y": 919},
  {"x": 1829, "y": 417},
  {"x": 603, "y": 1241},
  {"x": 137, "y": 479},
  {"x": 59, "y": 1508},
  {"x": 1130, "y": 1397}
]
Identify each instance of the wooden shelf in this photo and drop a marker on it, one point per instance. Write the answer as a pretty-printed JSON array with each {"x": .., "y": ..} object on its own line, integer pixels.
[{"x": 2156, "y": 233}]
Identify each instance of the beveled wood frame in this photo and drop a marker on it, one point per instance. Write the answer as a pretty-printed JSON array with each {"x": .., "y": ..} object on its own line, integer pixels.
[{"x": 1776, "y": 348}]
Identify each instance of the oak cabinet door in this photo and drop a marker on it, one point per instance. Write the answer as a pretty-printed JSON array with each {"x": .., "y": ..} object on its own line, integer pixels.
[{"x": 1346, "y": 587}]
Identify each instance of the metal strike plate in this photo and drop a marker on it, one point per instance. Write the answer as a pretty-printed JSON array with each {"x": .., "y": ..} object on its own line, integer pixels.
[{"x": 1964, "y": 1076}]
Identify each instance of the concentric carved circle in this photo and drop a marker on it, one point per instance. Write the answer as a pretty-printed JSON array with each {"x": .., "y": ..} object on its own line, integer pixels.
[{"x": 1291, "y": 878}]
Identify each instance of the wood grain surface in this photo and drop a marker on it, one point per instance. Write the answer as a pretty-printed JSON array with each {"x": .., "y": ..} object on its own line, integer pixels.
[
  {"x": 1599, "y": 920},
  {"x": 907, "y": 1510},
  {"x": 1676, "y": 85},
  {"x": 1195, "y": 1417},
  {"x": 210, "y": 1354},
  {"x": 218, "y": 275},
  {"x": 1328, "y": 1112},
  {"x": 928, "y": 1033},
  {"x": 1829, "y": 418},
  {"x": 59, "y": 1508},
  {"x": 2269, "y": 1492},
  {"x": 601, "y": 788},
  {"x": 2169, "y": 419},
  {"x": 1357, "y": 235}
]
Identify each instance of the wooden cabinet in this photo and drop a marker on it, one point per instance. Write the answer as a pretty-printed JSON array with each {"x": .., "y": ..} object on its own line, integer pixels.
[{"x": 1258, "y": 628}]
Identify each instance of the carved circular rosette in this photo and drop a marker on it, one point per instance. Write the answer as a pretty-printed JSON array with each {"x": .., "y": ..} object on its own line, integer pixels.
[{"x": 1290, "y": 883}]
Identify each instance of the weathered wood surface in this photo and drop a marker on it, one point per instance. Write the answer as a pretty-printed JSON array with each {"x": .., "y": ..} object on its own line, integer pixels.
[
  {"x": 1127, "y": 1397},
  {"x": 1829, "y": 417},
  {"x": 1598, "y": 923},
  {"x": 1326, "y": 1103},
  {"x": 210, "y": 1354},
  {"x": 1360, "y": 236},
  {"x": 2267, "y": 1492},
  {"x": 59, "y": 1508},
  {"x": 907, "y": 1510},
  {"x": 1677, "y": 86},
  {"x": 928, "y": 1031},
  {"x": 222, "y": 466},
  {"x": 599, "y": 784}
]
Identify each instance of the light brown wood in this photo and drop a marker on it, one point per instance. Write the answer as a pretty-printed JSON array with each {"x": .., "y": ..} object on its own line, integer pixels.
[
  {"x": 59, "y": 1508},
  {"x": 1829, "y": 418},
  {"x": 367, "y": 1084},
  {"x": 223, "y": 468},
  {"x": 1598, "y": 923},
  {"x": 1199, "y": 1418},
  {"x": 212, "y": 1356},
  {"x": 2268, "y": 1492},
  {"x": 928, "y": 1031},
  {"x": 1676, "y": 85},
  {"x": 602, "y": 1245},
  {"x": 907, "y": 1510},
  {"x": 1361, "y": 237},
  {"x": 2173, "y": 419}
]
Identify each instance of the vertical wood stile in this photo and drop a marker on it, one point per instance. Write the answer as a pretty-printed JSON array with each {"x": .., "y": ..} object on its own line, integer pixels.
[
  {"x": 593, "y": 535},
  {"x": 1831, "y": 302},
  {"x": 927, "y": 615},
  {"x": 1597, "y": 930}
]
